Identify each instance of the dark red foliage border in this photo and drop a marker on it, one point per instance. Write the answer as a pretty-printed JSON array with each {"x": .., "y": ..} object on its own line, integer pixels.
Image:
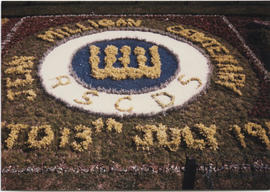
[
  {"x": 6, "y": 28},
  {"x": 262, "y": 106}
]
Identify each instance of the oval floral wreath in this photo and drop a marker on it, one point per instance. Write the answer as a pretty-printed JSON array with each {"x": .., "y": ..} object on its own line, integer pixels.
[{"x": 152, "y": 76}]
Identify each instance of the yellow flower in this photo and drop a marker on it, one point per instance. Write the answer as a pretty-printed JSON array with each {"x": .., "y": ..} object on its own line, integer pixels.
[
  {"x": 219, "y": 53},
  {"x": 116, "y": 105},
  {"x": 124, "y": 72},
  {"x": 161, "y": 104},
  {"x": 85, "y": 135},
  {"x": 239, "y": 135},
  {"x": 98, "y": 125},
  {"x": 45, "y": 141},
  {"x": 13, "y": 135},
  {"x": 106, "y": 23},
  {"x": 191, "y": 79},
  {"x": 64, "y": 138},
  {"x": 208, "y": 133},
  {"x": 112, "y": 124},
  {"x": 147, "y": 140},
  {"x": 162, "y": 137},
  {"x": 190, "y": 141},
  {"x": 257, "y": 131},
  {"x": 31, "y": 94}
]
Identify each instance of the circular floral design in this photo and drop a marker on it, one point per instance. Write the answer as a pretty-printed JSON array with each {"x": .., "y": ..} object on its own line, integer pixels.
[
  {"x": 83, "y": 72},
  {"x": 61, "y": 84}
]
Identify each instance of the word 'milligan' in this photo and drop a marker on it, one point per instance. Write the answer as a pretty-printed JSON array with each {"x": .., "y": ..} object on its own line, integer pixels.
[{"x": 59, "y": 33}]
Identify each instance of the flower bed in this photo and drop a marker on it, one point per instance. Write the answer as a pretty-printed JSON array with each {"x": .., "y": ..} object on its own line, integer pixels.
[
  {"x": 166, "y": 86},
  {"x": 262, "y": 106}
]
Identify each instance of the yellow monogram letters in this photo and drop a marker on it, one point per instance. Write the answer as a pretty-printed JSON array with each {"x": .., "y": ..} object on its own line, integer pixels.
[{"x": 125, "y": 72}]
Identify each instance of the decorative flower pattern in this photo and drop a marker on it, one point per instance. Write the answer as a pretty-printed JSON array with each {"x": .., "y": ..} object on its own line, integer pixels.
[
  {"x": 228, "y": 74},
  {"x": 257, "y": 131},
  {"x": 180, "y": 79},
  {"x": 125, "y": 72},
  {"x": 190, "y": 141},
  {"x": 59, "y": 33},
  {"x": 20, "y": 66},
  {"x": 64, "y": 138},
  {"x": 33, "y": 140},
  {"x": 116, "y": 105},
  {"x": 161, "y": 104},
  {"x": 85, "y": 135},
  {"x": 112, "y": 124},
  {"x": 176, "y": 134},
  {"x": 237, "y": 130},
  {"x": 98, "y": 125},
  {"x": 13, "y": 135}
]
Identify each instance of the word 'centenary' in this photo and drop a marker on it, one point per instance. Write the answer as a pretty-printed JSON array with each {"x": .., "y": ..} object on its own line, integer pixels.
[{"x": 229, "y": 74}]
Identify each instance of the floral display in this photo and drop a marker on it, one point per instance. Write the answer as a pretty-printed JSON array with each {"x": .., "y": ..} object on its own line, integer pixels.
[
  {"x": 20, "y": 82},
  {"x": 64, "y": 138},
  {"x": 118, "y": 103},
  {"x": 98, "y": 125},
  {"x": 127, "y": 89},
  {"x": 208, "y": 133},
  {"x": 159, "y": 66},
  {"x": 106, "y": 22},
  {"x": 237, "y": 130},
  {"x": 169, "y": 138},
  {"x": 112, "y": 124},
  {"x": 229, "y": 74},
  {"x": 190, "y": 141},
  {"x": 49, "y": 35},
  {"x": 226, "y": 74},
  {"x": 176, "y": 135},
  {"x": 33, "y": 140},
  {"x": 147, "y": 141},
  {"x": 87, "y": 99},
  {"x": 31, "y": 95},
  {"x": 122, "y": 73},
  {"x": 252, "y": 129},
  {"x": 40, "y": 137},
  {"x": 21, "y": 66},
  {"x": 80, "y": 79},
  {"x": 257, "y": 131},
  {"x": 161, "y": 104},
  {"x": 13, "y": 136},
  {"x": 61, "y": 82},
  {"x": 65, "y": 31},
  {"x": 180, "y": 79},
  {"x": 85, "y": 135}
]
